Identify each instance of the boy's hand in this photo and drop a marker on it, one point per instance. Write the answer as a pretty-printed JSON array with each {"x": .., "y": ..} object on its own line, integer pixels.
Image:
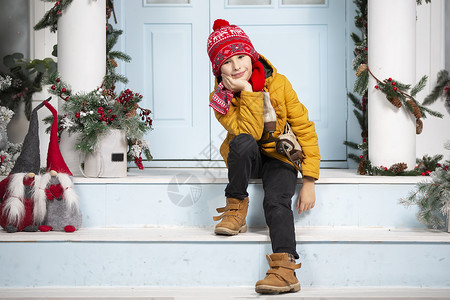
[
  {"x": 307, "y": 195},
  {"x": 236, "y": 85}
]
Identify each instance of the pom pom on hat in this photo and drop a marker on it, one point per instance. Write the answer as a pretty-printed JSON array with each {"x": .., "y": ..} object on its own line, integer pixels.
[
  {"x": 226, "y": 41},
  {"x": 220, "y": 23}
]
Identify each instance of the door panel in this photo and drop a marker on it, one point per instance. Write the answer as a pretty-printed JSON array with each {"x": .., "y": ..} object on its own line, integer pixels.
[{"x": 166, "y": 40}]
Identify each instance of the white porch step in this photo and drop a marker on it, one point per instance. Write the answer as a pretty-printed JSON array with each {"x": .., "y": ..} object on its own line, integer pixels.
[
  {"x": 153, "y": 231},
  {"x": 164, "y": 197},
  {"x": 189, "y": 257},
  {"x": 207, "y": 293},
  {"x": 206, "y": 235}
]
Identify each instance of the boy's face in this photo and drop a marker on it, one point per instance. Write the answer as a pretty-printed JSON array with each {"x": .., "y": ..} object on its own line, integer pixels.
[{"x": 238, "y": 67}]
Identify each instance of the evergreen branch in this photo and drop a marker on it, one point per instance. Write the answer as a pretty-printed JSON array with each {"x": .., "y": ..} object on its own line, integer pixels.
[
  {"x": 361, "y": 119},
  {"x": 351, "y": 144},
  {"x": 120, "y": 55},
  {"x": 443, "y": 80},
  {"x": 419, "y": 86},
  {"x": 356, "y": 102}
]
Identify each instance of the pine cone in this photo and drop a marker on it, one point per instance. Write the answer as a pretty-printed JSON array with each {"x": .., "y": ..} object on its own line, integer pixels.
[
  {"x": 395, "y": 101},
  {"x": 361, "y": 69},
  {"x": 419, "y": 126},
  {"x": 131, "y": 114},
  {"x": 398, "y": 168},
  {"x": 109, "y": 93},
  {"x": 113, "y": 62},
  {"x": 365, "y": 134},
  {"x": 361, "y": 169},
  {"x": 416, "y": 110}
]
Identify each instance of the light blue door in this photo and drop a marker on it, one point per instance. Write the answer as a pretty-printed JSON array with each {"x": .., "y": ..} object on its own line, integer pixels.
[
  {"x": 166, "y": 40},
  {"x": 304, "y": 39}
]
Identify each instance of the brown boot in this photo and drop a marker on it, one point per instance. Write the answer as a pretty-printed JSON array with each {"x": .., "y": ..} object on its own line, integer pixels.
[
  {"x": 233, "y": 217},
  {"x": 281, "y": 276}
]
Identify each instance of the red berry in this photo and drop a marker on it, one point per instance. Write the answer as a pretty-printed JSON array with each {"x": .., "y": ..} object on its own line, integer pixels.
[
  {"x": 376, "y": 86},
  {"x": 390, "y": 79},
  {"x": 53, "y": 87},
  {"x": 395, "y": 88},
  {"x": 64, "y": 90},
  {"x": 58, "y": 80},
  {"x": 361, "y": 156},
  {"x": 393, "y": 83},
  {"x": 77, "y": 115}
]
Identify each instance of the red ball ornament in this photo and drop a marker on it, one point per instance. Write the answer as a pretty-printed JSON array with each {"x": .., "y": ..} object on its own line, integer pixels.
[
  {"x": 77, "y": 115},
  {"x": 390, "y": 79},
  {"x": 393, "y": 82},
  {"x": 376, "y": 86},
  {"x": 63, "y": 90},
  {"x": 53, "y": 87},
  {"x": 395, "y": 88},
  {"x": 361, "y": 156}
]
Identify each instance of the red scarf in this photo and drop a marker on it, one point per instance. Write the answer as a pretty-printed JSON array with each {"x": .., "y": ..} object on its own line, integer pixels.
[{"x": 221, "y": 99}]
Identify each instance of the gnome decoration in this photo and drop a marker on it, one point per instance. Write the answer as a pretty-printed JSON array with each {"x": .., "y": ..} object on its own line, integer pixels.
[
  {"x": 56, "y": 188},
  {"x": 20, "y": 210}
]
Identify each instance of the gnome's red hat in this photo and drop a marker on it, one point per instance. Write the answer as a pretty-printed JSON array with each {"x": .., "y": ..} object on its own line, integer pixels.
[{"x": 55, "y": 160}]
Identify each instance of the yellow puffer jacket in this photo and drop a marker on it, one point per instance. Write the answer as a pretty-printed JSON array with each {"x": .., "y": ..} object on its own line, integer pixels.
[{"x": 245, "y": 115}]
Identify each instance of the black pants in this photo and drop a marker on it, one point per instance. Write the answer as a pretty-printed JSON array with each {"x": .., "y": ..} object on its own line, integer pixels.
[{"x": 279, "y": 181}]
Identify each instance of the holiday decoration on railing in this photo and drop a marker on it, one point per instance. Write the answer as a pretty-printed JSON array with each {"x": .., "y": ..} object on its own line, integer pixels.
[
  {"x": 50, "y": 19},
  {"x": 93, "y": 114},
  {"x": 396, "y": 93}
]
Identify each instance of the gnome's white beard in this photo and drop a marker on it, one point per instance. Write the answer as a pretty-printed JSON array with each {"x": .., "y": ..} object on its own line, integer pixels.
[
  {"x": 69, "y": 195},
  {"x": 14, "y": 207},
  {"x": 40, "y": 206}
]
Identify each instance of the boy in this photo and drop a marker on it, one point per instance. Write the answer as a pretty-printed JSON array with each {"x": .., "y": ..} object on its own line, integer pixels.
[{"x": 242, "y": 75}]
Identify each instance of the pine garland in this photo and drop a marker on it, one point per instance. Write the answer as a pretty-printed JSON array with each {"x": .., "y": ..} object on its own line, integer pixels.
[
  {"x": 396, "y": 94},
  {"x": 50, "y": 19},
  {"x": 395, "y": 90}
]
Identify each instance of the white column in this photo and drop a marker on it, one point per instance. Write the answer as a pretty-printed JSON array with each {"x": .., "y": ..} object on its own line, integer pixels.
[
  {"x": 81, "y": 58},
  {"x": 82, "y": 44},
  {"x": 391, "y": 43}
]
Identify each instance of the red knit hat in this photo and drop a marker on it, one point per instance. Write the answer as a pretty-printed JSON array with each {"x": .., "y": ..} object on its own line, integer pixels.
[
  {"x": 226, "y": 41},
  {"x": 55, "y": 160}
]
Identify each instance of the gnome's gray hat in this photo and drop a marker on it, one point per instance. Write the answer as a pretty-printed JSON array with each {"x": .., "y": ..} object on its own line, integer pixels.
[{"x": 29, "y": 159}]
